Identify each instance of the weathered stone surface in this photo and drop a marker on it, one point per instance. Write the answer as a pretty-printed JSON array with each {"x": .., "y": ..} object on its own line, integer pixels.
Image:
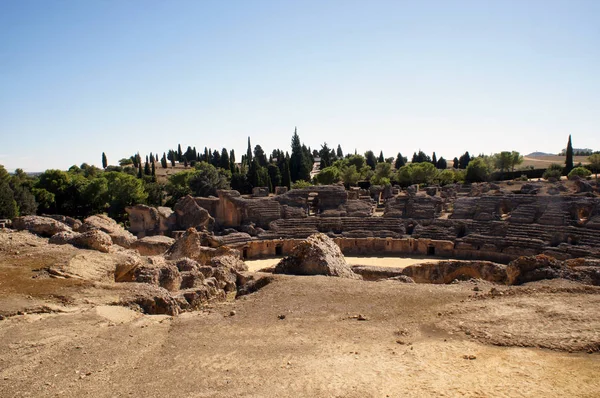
[
  {"x": 317, "y": 255},
  {"x": 190, "y": 245},
  {"x": 147, "y": 221},
  {"x": 62, "y": 238},
  {"x": 70, "y": 221},
  {"x": 584, "y": 186},
  {"x": 151, "y": 299},
  {"x": 248, "y": 283},
  {"x": 153, "y": 245},
  {"x": 370, "y": 273},
  {"x": 534, "y": 268},
  {"x": 444, "y": 272},
  {"x": 106, "y": 224},
  {"x": 158, "y": 272},
  {"x": 190, "y": 215},
  {"x": 94, "y": 240},
  {"x": 44, "y": 226}
]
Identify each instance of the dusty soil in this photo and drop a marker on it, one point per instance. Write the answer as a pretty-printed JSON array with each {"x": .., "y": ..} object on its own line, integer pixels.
[{"x": 298, "y": 336}]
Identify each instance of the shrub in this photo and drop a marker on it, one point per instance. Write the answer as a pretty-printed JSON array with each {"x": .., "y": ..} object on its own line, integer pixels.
[
  {"x": 301, "y": 184},
  {"x": 553, "y": 171},
  {"x": 579, "y": 172},
  {"x": 477, "y": 170}
]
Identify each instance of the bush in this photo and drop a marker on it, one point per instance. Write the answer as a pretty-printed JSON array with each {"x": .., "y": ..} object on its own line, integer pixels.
[
  {"x": 581, "y": 172},
  {"x": 477, "y": 171},
  {"x": 553, "y": 171},
  {"x": 301, "y": 184}
]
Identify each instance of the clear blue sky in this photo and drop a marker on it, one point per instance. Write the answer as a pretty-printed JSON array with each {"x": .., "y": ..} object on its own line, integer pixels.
[{"x": 81, "y": 77}]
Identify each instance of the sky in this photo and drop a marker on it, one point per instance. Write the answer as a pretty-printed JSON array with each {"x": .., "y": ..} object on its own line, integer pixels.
[{"x": 78, "y": 78}]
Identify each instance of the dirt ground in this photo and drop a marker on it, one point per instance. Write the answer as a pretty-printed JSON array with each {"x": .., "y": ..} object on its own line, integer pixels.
[{"x": 298, "y": 336}]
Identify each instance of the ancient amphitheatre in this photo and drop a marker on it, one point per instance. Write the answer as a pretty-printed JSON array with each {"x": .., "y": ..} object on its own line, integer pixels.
[{"x": 500, "y": 300}]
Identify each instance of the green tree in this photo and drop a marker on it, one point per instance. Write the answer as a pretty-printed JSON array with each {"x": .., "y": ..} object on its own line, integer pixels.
[
  {"x": 455, "y": 163},
  {"x": 104, "y": 160},
  {"x": 553, "y": 171},
  {"x": 380, "y": 159},
  {"x": 464, "y": 160},
  {"x": 477, "y": 170},
  {"x": 123, "y": 190},
  {"x": 503, "y": 160},
  {"x": 350, "y": 175},
  {"x": 224, "y": 164},
  {"x": 383, "y": 174},
  {"x": 179, "y": 153},
  {"x": 339, "y": 153},
  {"x": 299, "y": 162},
  {"x": 569, "y": 157},
  {"x": 400, "y": 161},
  {"x": 163, "y": 161},
  {"x": 260, "y": 156},
  {"x": 442, "y": 164},
  {"x": 434, "y": 159},
  {"x": 286, "y": 178},
  {"x": 249, "y": 153},
  {"x": 595, "y": 164},
  {"x": 274, "y": 174},
  {"x": 370, "y": 159},
  {"x": 147, "y": 170},
  {"x": 517, "y": 159},
  {"x": 8, "y": 205},
  {"x": 328, "y": 175}
]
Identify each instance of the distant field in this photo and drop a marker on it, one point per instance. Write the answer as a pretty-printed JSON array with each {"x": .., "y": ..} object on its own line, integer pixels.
[{"x": 541, "y": 162}]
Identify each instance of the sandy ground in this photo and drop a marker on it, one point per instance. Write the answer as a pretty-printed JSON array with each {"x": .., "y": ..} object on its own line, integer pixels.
[
  {"x": 400, "y": 262},
  {"x": 298, "y": 336}
]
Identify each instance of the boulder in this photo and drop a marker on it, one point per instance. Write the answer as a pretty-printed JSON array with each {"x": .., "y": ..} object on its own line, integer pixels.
[
  {"x": 117, "y": 233},
  {"x": 190, "y": 245},
  {"x": 534, "y": 268},
  {"x": 158, "y": 272},
  {"x": 62, "y": 238},
  {"x": 530, "y": 189},
  {"x": 317, "y": 255},
  {"x": 583, "y": 186},
  {"x": 94, "y": 240},
  {"x": 190, "y": 215},
  {"x": 44, "y": 226},
  {"x": 147, "y": 221},
  {"x": 444, "y": 272},
  {"x": 71, "y": 222},
  {"x": 152, "y": 245}
]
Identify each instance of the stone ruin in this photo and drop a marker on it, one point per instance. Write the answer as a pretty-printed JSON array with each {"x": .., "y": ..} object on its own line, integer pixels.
[{"x": 478, "y": 221}]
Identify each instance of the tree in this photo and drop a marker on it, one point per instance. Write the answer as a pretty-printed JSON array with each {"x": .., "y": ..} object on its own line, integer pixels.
[
  {"x": 325, "y": 155},
  {"x": 299, "y": 160},
  {"x": 274, "y": 174},
  {"x": 434, "y": 159},
  {"x": 104, "y": 160},
  {"x": 328, "y": 175},
  {"x": 286, "y": 178},
  {"x": 8, "y": 205},
  {"x": 163, "y": 161},
  {"x": 259, "y": 155},
  {"x": 569, "y": 157},
  {"x": 123, "y": 190},
  {"x": 400, "y": 161},
  {"x": 416, "y": 173},
  {"x": 249, "y": 153},
  {"x": 442, "y": 164},
  {"x": 350, "y": 175},
  {"x": 232, "y": 161},
  {"x": 503, "y": 160},
  {"x": 464, "y": 160},
  {"x": 383, "y": 174},
  {"x": 153, "y": 172},
  {"x": 147, "y": 169},
  {"x": 224, "y": 163},
  {"x": 370, "y": 159},
  {"x": 477, "y": 170},
  {"x": 339, "y": 152},
  {"x": 580, "y": 172},
  {"x": 126, "y": 161},
  {"x": 517, "y": 159},
  {"x": 595, "y": 164},
  {"x": 420, "y": 157},
  {"x": 455, "y": 163},
  {"x": 380, "y": 159},
  {"x": 179, "y": 153}
]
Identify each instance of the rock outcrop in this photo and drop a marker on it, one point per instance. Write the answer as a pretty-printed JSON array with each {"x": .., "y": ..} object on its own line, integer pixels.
[
  {"x": 106, "y": 224},
  {"x": 152, "y": 245},
  {"x": 444, "y": 272},
  {"x": 317, "y": 255},
  {"x": 190, "y": 215},
  {"x": 93, "y": 240},
  {"x": 43, "y": 226},
  {"x": 148, "y": 221}
]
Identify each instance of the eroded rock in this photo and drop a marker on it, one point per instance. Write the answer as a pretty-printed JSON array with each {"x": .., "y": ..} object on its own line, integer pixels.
[
  {"x": 317, "y": 255},
  {"x": 44, "y": 226}
]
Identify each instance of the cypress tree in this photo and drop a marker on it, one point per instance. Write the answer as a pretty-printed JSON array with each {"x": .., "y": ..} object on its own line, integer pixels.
[
  {"x": 296, "y": 158},
  {"x": 399, "y": 161},
  {"x": 434, "y": 159},
  {"x": 286, "y": 178},
  {"x": 147, "y": 169},
  {"x": 139, "y": 170},
  {"x": 339, "y": 152},
  {"x": 224, "y": 164},
  {"x": 569, "y": 157},
  {"x": 249, "y": 153},
  {"x": 153, "y": 172},
  {"x": 455, "y": 163},
  {"x": 380, "y": 159},
  {"x": 232, "y": 161},
  {"x": 104, "y": 161},
  {"x": 179, "y": 153},
  {"x": 163, "y": 161}
]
